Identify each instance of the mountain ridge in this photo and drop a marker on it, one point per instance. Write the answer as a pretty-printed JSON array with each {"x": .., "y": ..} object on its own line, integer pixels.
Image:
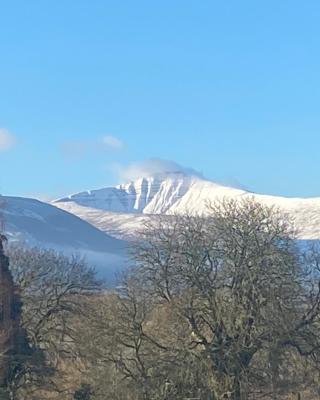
[
  {"x": 173, "y": 193},
  {"x": 148, "y": 194}
]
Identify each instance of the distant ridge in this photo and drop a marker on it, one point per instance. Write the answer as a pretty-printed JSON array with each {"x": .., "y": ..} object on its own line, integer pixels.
[{"x": 34, "y": 223}]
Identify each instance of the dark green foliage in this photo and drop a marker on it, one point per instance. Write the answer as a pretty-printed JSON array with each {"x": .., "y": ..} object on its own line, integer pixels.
[{"x": 85, "y": 392}]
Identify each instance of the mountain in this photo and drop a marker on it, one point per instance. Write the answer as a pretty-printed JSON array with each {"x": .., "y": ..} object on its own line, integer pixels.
[
  {"x": 148, "y": 195},
  {"x": 120, "y": 211},
  {"x": 40, "y": 224}
]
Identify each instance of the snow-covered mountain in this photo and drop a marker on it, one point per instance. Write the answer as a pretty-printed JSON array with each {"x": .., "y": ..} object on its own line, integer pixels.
[
  {"x": 35, "y": 223},
  {"x": 148, "y": 195},
  {"x": 122, "y": 210}
]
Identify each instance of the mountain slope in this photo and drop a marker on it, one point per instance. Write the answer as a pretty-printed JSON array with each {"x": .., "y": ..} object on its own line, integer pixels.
[
  {"x": 39, "y": 224},
  {"x": 176, "y": 193},
  {"x": 149, "y": 195}
]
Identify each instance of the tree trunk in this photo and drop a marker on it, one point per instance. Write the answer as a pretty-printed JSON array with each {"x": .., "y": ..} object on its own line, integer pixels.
[
  {"x": 237, "y": 390},
  {"x": 238, "y": 393}
]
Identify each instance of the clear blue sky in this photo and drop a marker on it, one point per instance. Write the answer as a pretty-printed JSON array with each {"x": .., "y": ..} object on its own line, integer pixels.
[{"x": 230, "y": 88}]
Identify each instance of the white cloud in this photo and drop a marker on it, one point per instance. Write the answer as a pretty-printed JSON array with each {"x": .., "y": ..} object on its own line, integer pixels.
[
  {"x": 150, "y": 167},
  {"x": 7, "y": 140},
  {"x": 112, "y": 142}
]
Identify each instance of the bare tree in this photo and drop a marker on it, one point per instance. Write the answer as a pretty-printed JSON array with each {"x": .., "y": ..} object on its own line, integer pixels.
[
  {"x": 218, "y": 307},
  {"x": 237, "y": 281},
  {"x": 54, "y": 291}
]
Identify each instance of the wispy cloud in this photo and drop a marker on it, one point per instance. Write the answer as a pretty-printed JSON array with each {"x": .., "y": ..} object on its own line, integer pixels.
[
  {"x": 112, "y": 142},
  {"x": 7, "y": 139},
  {"x": 150, "y": 167}
]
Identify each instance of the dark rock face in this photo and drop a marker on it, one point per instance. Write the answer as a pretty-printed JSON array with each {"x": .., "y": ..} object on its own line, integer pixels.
[{"x": 10, "y": 311}]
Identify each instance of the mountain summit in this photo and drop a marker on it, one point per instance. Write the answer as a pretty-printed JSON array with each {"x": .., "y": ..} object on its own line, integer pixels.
[
  {"x": 148, "y": 195},
  {"x": 120, "y": 211}
]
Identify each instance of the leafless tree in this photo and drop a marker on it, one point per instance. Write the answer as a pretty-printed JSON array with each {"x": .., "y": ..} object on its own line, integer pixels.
[
  {"x": 240, "y": 287},
  {"x": 54, "y": 290},
  {"x": 222, "y": 306}
]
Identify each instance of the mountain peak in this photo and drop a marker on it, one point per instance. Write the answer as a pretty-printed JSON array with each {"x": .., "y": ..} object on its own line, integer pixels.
[
  {"x": 153, "y": 167},
  {"x": 162, "y": 176},
  {"x": 149, "y": 194}
]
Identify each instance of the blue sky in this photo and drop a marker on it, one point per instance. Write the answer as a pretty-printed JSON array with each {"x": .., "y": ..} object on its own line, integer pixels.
[{"x": 229, "y": 88}]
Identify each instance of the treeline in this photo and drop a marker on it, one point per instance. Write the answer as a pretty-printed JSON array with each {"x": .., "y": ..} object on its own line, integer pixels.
[{"x": 225, "y": 306}]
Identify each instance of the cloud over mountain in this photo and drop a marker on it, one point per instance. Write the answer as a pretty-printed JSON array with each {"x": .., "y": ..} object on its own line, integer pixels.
[{"x": 150, "y": 167}]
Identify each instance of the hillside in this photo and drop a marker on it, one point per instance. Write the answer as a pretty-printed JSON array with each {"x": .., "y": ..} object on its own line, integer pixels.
[{"x": 36, "y": 223}]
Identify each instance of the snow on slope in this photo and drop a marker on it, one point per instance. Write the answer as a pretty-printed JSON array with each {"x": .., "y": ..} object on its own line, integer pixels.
[
  {"x": 151, "y": 195},
  {"x": 39, "y": 224},
  {"x": 119, "y": 225},
  {"x": 176, "y": 193}
]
